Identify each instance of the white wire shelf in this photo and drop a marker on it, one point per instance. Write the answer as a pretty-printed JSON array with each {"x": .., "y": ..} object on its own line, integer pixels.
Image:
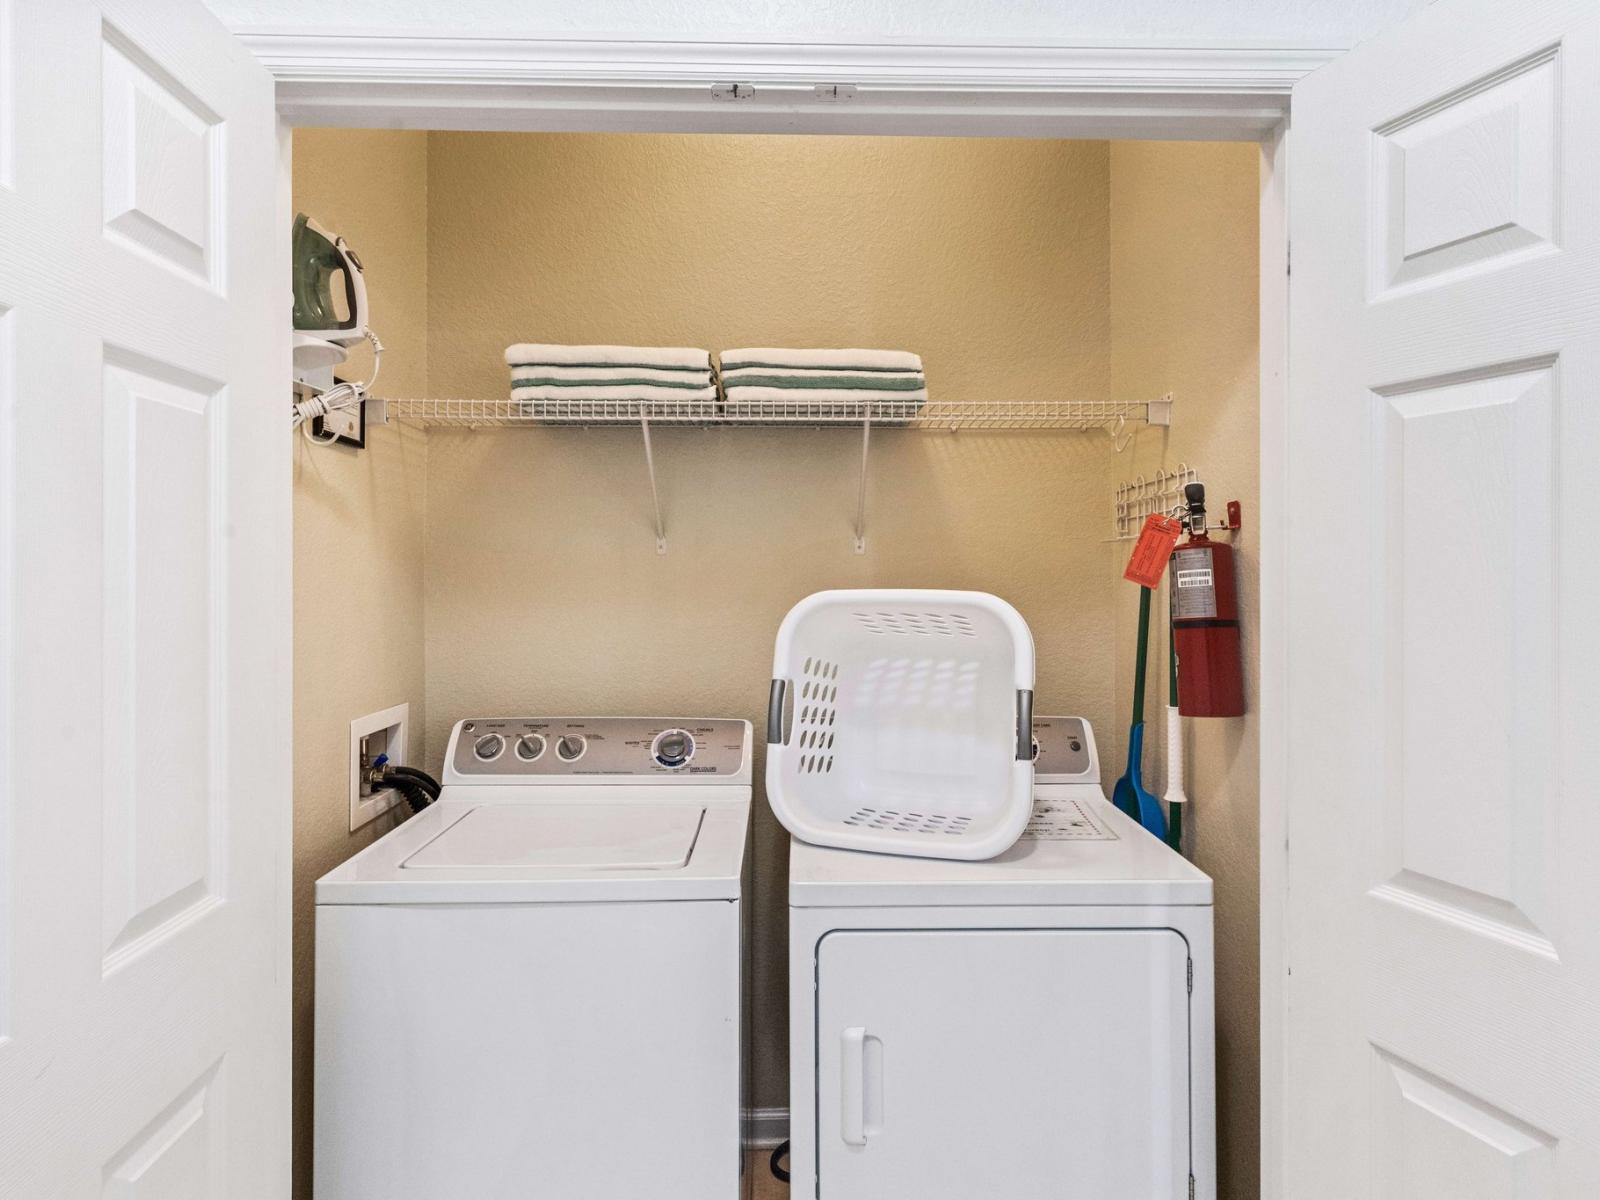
[
  {"x": 935, "y": 415},
  {"x": 1120, "y": 419}
]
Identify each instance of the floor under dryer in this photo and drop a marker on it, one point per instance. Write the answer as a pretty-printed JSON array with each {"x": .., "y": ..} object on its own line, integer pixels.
[
  {"x": 532, "y": 987},
  {"x": 1035, "y": 1025}
]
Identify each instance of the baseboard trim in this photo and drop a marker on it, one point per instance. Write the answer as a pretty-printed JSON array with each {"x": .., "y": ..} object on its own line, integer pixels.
[{"x": 764, "y": 1128}]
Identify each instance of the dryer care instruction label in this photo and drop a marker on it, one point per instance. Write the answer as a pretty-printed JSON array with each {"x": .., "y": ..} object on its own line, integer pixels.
[{"x": 1064, "y": 820}]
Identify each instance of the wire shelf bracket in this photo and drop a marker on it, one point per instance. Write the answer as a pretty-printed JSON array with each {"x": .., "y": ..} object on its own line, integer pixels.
[
  {"x": 861, "y": 495},
  {"x": 655, "y": 492}
]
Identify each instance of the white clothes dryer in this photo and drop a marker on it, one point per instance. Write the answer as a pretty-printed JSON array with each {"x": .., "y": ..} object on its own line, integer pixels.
[
  {"x": 533, "y": 986},
  {"x": 1037, "y": 1025}
]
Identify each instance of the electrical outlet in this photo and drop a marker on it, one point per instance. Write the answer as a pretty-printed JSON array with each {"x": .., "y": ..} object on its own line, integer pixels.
[{"x": 379, "y": 733}]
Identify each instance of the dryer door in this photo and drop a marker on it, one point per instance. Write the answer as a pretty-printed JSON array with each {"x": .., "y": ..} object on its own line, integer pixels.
[{"x": 1020, "y": 1063}]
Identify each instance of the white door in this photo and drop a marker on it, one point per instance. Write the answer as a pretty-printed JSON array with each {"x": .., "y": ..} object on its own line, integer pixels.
[
  {"x": 1443, "y": 1026},
  {"x": 1037, "y": 1064},
  {"x": 144, "y": 1044}
]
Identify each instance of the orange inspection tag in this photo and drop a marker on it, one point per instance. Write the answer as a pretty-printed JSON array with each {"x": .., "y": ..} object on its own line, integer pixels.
[{"x": 1151, "y": 551}]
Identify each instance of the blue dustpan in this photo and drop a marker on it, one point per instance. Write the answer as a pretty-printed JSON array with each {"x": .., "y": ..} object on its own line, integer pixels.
[{"x": 1129, "y": 794}]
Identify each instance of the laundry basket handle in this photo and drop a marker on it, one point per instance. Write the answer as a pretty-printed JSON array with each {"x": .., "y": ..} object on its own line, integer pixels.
[
  {"x": 780, "y": 689},
  {"x": 1024, "y": 725}
]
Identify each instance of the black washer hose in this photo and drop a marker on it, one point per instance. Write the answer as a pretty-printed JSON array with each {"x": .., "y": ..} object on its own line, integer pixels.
[
  {"x": 428, "y": 782},
  {"x": 779, "y": 1151},
  {"x": 418, "y": 787},
  {"x": 416, "y": 795}
]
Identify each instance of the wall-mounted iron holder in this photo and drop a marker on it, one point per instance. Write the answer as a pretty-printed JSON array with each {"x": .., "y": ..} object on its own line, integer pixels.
[{"x": 1120, "y": 419}]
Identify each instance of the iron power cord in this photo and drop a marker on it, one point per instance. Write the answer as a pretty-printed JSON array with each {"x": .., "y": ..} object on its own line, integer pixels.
[{"x": 337, "y": 398}]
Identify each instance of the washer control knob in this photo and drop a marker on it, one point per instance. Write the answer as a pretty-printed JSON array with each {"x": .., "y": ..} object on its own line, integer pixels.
[
  {"x": 570, "y": 747},
  {"x": 673, "y": 747},
  {"x": 530, "y": 746},
  {"x": 488, "y": 747}
]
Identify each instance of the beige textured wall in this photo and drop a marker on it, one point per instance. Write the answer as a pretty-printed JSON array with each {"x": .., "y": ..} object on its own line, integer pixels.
[
  {"x": 1185, "y": 317},
  {"x": 544, "y": 589},
  {"x": 357, "y": 535}
]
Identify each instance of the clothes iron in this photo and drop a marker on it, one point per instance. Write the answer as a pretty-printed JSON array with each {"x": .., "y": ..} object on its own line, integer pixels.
[{"x": 319, "y": 256}]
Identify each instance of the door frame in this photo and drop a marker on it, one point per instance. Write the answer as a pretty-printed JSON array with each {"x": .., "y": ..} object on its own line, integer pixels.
[{"x": 1215, "y": 92}]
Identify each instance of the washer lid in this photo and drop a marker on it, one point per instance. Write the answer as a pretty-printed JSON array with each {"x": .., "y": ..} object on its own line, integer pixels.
[
  {"x": 632, "y": 844},
  {"x": 631, "y": 837}
]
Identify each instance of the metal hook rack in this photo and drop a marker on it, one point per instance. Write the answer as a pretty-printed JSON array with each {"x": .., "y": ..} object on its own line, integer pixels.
[
  {"x": 1120, "y": 419},
  {"x": 1139, "y": 497},
  {"x": 1142, "y": 495}
]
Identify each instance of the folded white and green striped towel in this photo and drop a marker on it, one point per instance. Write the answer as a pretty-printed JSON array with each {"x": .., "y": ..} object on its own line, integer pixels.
[
  {"x": 662, "y": 378},
  {"x": 767, "y": 379},
  {"x": 760, "y": 397},
  {"x": 770, "y": 377},
  {"x": 659, "y": 358},
  {"x": 856, "y": 361},
  {"x": 654, "y": 394},
  {"x": 555, "y": 375}
]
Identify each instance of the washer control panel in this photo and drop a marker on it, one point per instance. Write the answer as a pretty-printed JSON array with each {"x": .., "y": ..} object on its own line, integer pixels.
[{"x": 555, "y": 748}]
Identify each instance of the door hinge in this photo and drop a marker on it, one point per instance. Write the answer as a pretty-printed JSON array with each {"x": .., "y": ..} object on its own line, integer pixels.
[
  {"x": 1191, "y": 977},
  {"x": 732, "y": 91}
]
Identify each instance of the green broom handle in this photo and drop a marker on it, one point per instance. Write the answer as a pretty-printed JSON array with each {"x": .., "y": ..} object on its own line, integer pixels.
[{"x": 1143, "y": 659}]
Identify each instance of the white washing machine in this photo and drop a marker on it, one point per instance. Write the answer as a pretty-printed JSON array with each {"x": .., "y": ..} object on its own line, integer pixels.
[
  {"x": 1036, "y": 1025},
  {"x": 532, "y": 987}
]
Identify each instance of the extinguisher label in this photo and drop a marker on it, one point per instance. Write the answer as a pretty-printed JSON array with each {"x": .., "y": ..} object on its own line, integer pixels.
[{"x": 1194, "y": 591}]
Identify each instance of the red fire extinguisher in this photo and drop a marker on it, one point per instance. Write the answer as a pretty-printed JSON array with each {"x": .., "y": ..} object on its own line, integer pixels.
[{"x": 1205, "y": 619}]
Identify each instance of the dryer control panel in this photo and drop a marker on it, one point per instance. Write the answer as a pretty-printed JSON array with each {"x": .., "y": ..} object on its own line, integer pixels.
[
  {"x": 571, "y": 749},
  {"x": 1063, "y": 751}
]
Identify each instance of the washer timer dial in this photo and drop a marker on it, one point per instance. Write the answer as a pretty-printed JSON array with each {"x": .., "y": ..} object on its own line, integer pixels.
[
  {"x": 570, "y": 747},
  {"x": 672, "y": 748}
]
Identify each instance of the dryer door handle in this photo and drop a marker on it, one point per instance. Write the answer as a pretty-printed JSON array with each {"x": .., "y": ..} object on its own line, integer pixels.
[{"x": 860, "y": 1085}]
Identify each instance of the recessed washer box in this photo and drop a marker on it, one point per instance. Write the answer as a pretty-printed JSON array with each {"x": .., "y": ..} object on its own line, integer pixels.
[{"x": 376, "y": 733}]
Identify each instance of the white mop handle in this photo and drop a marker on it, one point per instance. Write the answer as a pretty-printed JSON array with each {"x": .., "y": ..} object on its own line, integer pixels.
[{"x": 1175, "y": 793}]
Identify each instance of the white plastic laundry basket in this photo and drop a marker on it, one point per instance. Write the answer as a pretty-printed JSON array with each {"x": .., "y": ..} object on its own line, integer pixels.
[{"x": 909, "y": 724}]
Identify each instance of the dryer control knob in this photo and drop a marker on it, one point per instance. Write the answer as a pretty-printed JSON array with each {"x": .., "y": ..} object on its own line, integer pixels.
[
  {"x": 488, "y": 747},
  {"x": 530, "y": 746},
  {"x": 570, "y": 747},
  {"x": 673, "y": 747}
]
